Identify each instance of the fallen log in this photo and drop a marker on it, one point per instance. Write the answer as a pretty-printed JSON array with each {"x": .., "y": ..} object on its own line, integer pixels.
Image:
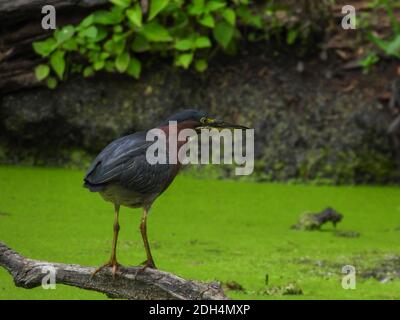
[{"x": 130, "y": 283}]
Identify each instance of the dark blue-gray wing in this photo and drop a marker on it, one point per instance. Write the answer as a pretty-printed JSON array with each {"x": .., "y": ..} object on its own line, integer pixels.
[
  {"x": 110, "y": 162},
  {"x": 123, "y": 162},
  {"x": 146, "y": 178}
]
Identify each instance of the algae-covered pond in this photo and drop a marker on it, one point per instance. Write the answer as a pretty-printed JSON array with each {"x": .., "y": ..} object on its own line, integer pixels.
[{"x": 209, "y": 230}]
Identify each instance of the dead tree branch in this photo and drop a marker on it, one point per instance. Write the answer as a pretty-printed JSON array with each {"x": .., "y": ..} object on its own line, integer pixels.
[{"x": 130, "y": 283}]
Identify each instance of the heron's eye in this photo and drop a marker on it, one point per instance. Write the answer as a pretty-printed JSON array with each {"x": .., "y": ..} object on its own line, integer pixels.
[{"x": 206, "y": 121}]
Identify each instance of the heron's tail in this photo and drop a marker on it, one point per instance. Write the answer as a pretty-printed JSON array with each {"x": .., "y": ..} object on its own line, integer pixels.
[{"x": 93, "y": 187}]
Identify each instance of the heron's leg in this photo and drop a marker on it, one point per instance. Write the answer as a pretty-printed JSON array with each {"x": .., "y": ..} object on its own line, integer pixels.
[
  {"x": 113, "y": 259},
  {"x": 149, "y": 263}
]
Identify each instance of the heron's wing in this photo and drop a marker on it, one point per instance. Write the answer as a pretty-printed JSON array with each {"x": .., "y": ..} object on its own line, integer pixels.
[
  {"x": 111, "y": 162},
  {"x": 146, "y": 178}
]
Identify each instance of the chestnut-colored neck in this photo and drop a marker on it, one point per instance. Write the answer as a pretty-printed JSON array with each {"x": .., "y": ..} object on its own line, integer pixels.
[{"x": 187, "y": 124}]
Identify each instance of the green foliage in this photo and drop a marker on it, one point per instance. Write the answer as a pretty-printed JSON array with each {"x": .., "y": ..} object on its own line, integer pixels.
[
  {"x": 115, "y": 39},
  {"x": 390, "y": 46},
  {"x": 42, "y": 71},
  {"x": 370, "y": 60}
]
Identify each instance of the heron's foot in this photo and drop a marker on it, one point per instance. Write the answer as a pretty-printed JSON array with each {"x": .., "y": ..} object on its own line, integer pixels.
[
  {"x": 113, "y": 264},
  {"x": 148, "y": 264}
]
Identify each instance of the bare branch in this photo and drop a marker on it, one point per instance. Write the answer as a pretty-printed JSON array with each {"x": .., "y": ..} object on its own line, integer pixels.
[{"x": 131, "y": 283}]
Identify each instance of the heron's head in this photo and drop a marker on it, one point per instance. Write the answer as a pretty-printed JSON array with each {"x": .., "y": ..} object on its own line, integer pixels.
[{"x": 199, "y": 119}]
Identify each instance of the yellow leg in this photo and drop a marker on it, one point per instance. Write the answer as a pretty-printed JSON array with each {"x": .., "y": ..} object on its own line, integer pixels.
[
  {"x": 149, "y": 263},
  {"x": 113, "y": 259}
]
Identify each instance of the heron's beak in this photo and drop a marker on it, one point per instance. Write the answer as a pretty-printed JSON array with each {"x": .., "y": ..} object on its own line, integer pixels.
[{"x": 219, "y": 124}]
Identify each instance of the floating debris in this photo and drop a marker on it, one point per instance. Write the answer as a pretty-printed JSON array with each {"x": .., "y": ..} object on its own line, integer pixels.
[
  {"x": 347, "y": 234},
  {"x": 314, "y": 221},
  {"x": 384, "y": 270},
  {"x": 233, "y": 285},
  {"x": 4, "y": 214},
  {"x": 289, "y": 289}
]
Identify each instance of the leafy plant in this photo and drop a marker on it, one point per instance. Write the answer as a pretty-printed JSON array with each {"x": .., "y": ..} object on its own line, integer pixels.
[
  {"x": 390, "y": 46},
  {"x": 115, "y": 40}
]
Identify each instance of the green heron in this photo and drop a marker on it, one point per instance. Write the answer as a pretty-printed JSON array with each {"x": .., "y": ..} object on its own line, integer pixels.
[{"x": 122, "y": 175}]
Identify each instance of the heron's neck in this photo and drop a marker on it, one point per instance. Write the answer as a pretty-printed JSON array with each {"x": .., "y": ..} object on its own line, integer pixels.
[{"x": 188, "y": 124}]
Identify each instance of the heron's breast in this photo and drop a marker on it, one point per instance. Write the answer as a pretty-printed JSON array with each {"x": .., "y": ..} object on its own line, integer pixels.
[{"x": 125, "y": 197}]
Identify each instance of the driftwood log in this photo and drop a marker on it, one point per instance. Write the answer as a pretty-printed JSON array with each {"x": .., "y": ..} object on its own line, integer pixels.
[{"x": 129, "y": 283}]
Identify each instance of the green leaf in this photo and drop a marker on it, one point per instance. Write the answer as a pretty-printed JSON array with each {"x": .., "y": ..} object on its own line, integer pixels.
[
  {"x": 230, "y": 16},
  {"x": 215, "y": 5},
  {"x": 42, "y": 71},
  {"x": 88, "y": 71},
  {"x": 90, "y": 32},
  {"x": 44, "y": 48},
  {"x": 70, "y": 45},
  {"x": 118, "y": 28},
  {"x": 156, "y": 32},
  {"x": 292, "y": 36},
  {"x": 369, "y": 61},
  {"x": 393, "y": 48},
  {"x": 121, "y": 3},
  {"x": 156, "y": 6},
  {"x": 109, "y": 46},
  {"x": 248, "y": 17},
  {"x": 140, "y": 44},
  {"x": 223, "y": 33},
  {"x": 119, "y": 46},
  {"x": 98, "y": 65},
  {"x": 393, "y": 19},
  {"x": 184, "y": 44},
  {"x": 104, "y": 55},
  {"x": 101, "y": 34},
  {"x": 134, "y": 68},
  {"x": 52, "y": 82},
  {"x": 201, "y": 65},
  {"x": 110, "y": 66},
  {"x": 88, "y": 21},
  {"x": 135, "y": 15},
  {"x": 208, "y": 21},
  {"x": 196, "y": 8},
  {"x": 107, "y": 17},
  {"x": 378, "y": 41},
  {"x": 122, "y": 61},
  {"x": 57, "y": 62},
  {"x": 184, "y": 60},
  {"x": 64, "y": 34},
  {"x": 114, "y": 47},
  {"x": 202, "y": 42},
  {"x": 256, "y": 21}
]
